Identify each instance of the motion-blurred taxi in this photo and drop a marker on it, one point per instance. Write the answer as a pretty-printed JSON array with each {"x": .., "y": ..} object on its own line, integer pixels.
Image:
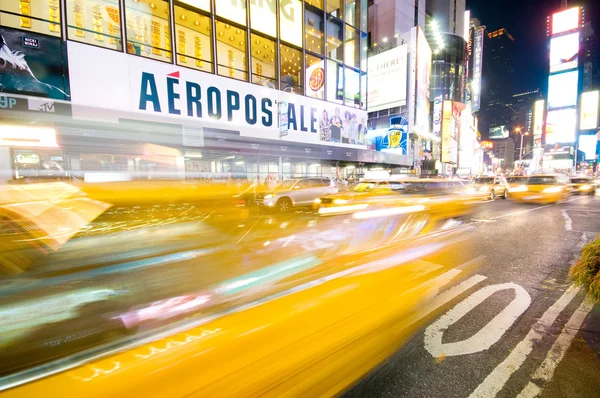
[
  {"x": 541, "y": 189},
  {"x": 582, "y": 185},
  {"x": 359, "y": 197}
]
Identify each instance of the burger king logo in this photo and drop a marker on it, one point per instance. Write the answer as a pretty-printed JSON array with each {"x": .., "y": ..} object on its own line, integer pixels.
[{"x": 317, "y": 79}]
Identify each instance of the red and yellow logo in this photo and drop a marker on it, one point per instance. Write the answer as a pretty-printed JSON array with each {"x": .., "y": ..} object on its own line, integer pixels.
[{"x": 317, "y": 79}]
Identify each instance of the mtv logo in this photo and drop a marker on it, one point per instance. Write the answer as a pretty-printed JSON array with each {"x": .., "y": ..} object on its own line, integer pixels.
[{"x": 40, "y": 105}]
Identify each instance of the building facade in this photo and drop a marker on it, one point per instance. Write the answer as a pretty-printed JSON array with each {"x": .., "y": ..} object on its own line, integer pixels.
[{"x": 284, "y": 80}]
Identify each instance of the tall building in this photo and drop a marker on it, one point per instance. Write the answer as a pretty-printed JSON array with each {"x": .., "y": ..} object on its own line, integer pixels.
[
  {"x": 449, "y": 15},
  {"x": 523, "y": 106},
  {"x": 504, "y": 153},
  {"x": 251, "y": 87},
  {"x": 390, "y": 19},
  {"x": 590, "y": 57}
]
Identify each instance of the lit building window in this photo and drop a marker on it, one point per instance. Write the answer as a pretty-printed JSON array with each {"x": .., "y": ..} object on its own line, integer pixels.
[
  {"x": 334, "y": 7},
  {"x": 193, "y": 33},
  {"x": 231, "y": 51},
  {"x": 352, "y": 47},
  {"x": 314, "y": 30},
  {"x": 335, "y": 30},
  {"x": 148, "y": 29},
  {"x": 334, "y": 78},
  {"x": 352, "y": 15},
  {"x": 45, "y": 13},
  {"x": 263, "y": 59},
  {"x": 291, "y": 71}
]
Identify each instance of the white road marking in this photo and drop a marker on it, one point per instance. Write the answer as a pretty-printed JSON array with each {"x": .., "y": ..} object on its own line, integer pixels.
[
  {"x": 494, "y": 382},
  {"x": 546, "y": 370},
  {"x": 516, "y": 213},
  {"x": 441, "y": 299},
  {"x": 486, "y": 336},
  {"x": 568, "y": 221}
]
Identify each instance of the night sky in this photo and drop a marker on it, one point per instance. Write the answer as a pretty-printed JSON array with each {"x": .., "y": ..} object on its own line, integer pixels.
[{"x": 526, "y": 21}]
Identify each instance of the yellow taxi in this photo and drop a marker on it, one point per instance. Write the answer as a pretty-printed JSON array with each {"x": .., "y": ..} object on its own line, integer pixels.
[
  {"x": 542, "y": 189},
  {"x": 582, "y": 185}
]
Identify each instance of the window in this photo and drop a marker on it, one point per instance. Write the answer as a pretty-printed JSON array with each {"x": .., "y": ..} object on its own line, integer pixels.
[
  {"x": 263, "y": 58},
  {"x": 352, "y": 88},
  {"x": 263, "y": 17},
  {"x": 352, "y": 47},
  {"x": 291, "y": 68},
  {"x": 352, "y": 15},
  {"x": 334, "y": 76},
  {"x": 364, "y": 15},
  {"x": 334, "y": 7},
  {"x": 290, "y": 21},
  {"x": 364, "y": 48},
  {"x": 314, "y": 22},
  {"x": 200, "y": 4},
  {"x": 148, "y": 29},
  {"x": 193, "y": 39},
  {"x": 315, "y": 77},
  {"x": 315, "y": 3},
  {"x": 335, "y": 31},
  {"x": 231, "y": 51},
  {"x": 232, "y": 10},
  {"x": 45, "y": 15}
]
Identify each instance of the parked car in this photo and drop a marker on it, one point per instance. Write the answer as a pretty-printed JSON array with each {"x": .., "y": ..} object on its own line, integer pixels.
[{"x": 295, "y": 192}]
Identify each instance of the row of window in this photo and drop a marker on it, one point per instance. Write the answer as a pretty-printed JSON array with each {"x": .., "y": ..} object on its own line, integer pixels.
[{"x": 332, "y": 66}]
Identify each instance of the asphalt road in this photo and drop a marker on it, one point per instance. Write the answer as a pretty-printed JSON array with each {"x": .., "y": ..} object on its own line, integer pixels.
[{"x": 511, "y": 326}]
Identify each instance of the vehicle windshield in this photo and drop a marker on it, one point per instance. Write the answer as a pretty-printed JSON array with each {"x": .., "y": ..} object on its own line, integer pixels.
[
  {"x": 579, "y": 180},
  {"x": 541, "y": 180},
  {"x": 289, "y": 184},
  {"x": 487, "y": 180},
  {"x": 516, "y": 179},
  {"x": 363, "y": 186}
]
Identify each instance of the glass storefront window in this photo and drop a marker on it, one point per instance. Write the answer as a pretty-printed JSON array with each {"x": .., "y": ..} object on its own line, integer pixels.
[
  {"x": 352, "y": 47},
  {"x": 334, "y": 7},
  {"x": 291, "y": 69},
  {"x": 335, "y": 30},
  {"x": 232, "y": 10},
  {"x": 200, "y": 4},
  {"x": 148, "y": 29},
  {"x": 364, "y": 51},
  {"x": 316, "y": 3},
  {"x": 96, "y": 22},
  {"x": 352, "y": 88},
  {"x": 315, "y": 76},
  {"x": 364, "y": 15},
  {"x": 290, "y": 21},
  {"x": 262, "y": 17},
  {"x": 48, "y": 12},
  {"x": 231, "y": 51},
  {"x": 263, "y": 61},
  {"x": 314, "y": 29},
  {"x": 352, "y": 16},
  {"x": 334, "y": 77},
  {"x": 193, "y": 39}
]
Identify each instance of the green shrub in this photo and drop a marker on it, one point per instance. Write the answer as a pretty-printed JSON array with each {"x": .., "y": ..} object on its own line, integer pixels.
[{"x": 586, "y": 271}]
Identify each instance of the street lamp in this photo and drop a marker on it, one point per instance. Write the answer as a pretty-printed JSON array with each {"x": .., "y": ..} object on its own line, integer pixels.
[{"x": 522, "y": 133}]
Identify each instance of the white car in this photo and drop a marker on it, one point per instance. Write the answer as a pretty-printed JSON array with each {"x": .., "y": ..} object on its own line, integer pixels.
[{"x": 296, "y": 192}]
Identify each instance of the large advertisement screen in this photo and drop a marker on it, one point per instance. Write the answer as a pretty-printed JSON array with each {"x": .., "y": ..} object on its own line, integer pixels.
[
  {"x": 33, "y": 64},
  {"x": 449, "y": 133},
  {"x": 565, "y": 21},
  {"x": 538, "y": 119},
  {"x": 589, "y": 110},
  {"x": 562, "y": 90},
  {"x": 477, "y": 67},
  {"x": 498, "y": 132},
  {"x": 587, "y": 144},
  {"x": 560, "y": 126},
  {"x": 563, "y": 52},
  {"x": 147, "y": 90},
  {"x": 387, "y": 79}
]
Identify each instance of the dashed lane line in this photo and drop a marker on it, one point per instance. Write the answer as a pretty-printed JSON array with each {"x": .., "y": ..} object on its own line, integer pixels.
[
  {"x": 568, "y": 221},
  {"x": 546, "y": 370},
  {"x": 496, "y": 380}
]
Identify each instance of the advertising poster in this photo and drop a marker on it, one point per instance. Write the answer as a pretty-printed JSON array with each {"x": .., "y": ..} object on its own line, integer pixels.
[
  {"x": 33, "y": 64},
  {"x": 423, "y": 69},
  {"x": 437, "y": 115},
  {"x": 538, "y": 119},
  {"x": 560, "y": 126},
  {"x": 565, "y": 21},
  {"x": 589, "y": 110},
  {"x": 387, "y": 79},
  {"x": 563, "y": 52},
  {"x": 315, "y": 80},
  {"x": 498, "y": 132},
  {"x": 587, "y": 144},
  {"x": 477, "y": 68},
  {"x": 147, "y": 89},
  {"x": 449, "y": 145},
  {"x": 562, "y": 90}
]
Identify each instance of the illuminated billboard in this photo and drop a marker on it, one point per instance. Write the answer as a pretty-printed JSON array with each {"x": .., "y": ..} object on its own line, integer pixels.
[
  {"x": 389, "y": 66},
  {"x": 589, "y": 110},
  {"x": 449, "y": 143},
  {"x": 565, "y": 21},
  {"x": 562, "y": 90},
  {"x": 587, "y": 144},
  {"x": 538, "y": 119},
  {"x": 560, "y": 126},
  {"x": 499, "y": 132},
  {"x": 477, "y": 65},
  {"x": 563, "y": 52}
]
